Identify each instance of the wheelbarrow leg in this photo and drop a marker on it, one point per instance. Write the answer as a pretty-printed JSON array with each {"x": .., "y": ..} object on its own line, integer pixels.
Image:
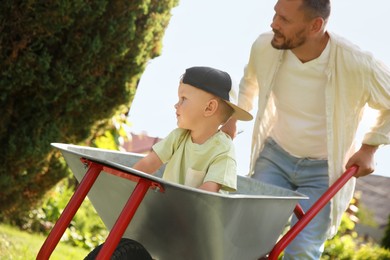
[
  {"x": 124, "y": 219},
  {"x": 69, "y": 211},
  {"x": 305, "y": 218},
  {"x": 298, "y": 211}
]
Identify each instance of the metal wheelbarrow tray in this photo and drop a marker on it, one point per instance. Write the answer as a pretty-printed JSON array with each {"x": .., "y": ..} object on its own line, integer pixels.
[{"x": 173, "y": 221}]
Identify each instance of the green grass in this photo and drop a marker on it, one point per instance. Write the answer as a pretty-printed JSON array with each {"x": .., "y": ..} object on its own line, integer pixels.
[{"x": 19, "y": 245}]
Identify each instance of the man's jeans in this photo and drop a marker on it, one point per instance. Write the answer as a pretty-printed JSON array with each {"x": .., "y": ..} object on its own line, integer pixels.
[{"x": 307, "y": 176}]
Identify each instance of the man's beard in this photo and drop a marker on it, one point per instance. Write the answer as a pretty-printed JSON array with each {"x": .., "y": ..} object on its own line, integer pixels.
[{"x": 288, "y": 44}]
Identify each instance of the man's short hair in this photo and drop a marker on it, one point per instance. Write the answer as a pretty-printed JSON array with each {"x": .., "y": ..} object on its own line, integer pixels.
[{"x": 316, "y": 8}]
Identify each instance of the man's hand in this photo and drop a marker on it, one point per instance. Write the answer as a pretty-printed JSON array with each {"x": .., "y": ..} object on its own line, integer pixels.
[
  {"x": 364, "y": 159},
  {"x": 230, "y": 128}
]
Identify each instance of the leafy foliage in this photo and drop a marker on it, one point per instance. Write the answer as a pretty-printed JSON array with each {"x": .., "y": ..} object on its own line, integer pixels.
[
  {"x": 66, "y": 67},
  {"x": 86, "y": 229},
  {"x": 369, "y": 252},
  {"x": 386, "y": 238},
  {"x": 342, "y": 245},
  {"x": 347, "y": 245}
]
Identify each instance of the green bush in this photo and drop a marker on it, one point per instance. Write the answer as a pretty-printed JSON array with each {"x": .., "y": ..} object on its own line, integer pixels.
[
  {"x": 386, "y": 238},
  {"x": 347, "y": 245},
  {"x": 86, "y": 229},
  {"x": 370, "y": 252},
  {"x": 342, "y": 245},
  {"x": 66, "y": 67}
]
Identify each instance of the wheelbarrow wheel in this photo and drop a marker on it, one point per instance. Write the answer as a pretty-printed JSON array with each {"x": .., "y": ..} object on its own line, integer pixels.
[{"x": 127, "y": 249}]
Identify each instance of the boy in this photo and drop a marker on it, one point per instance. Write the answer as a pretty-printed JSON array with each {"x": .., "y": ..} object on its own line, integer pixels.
[{"x": 197, "y": 153}]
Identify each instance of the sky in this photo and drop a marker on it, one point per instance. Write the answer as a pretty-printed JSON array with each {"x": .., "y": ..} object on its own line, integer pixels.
[{"x": 219, "y": 33}]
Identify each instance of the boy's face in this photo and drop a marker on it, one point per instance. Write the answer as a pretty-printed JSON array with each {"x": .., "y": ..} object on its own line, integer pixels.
[{"x": 191, "y": 106}]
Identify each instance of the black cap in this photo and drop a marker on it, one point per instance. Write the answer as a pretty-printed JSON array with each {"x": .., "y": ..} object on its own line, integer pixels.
[{"x": 216, "y": 82}]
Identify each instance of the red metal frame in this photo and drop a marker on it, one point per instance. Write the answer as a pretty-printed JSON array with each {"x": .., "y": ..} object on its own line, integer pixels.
[
  {"x": 305, "y": 218},
  {"x": 124, "y": 219},
  {"x": 135, "y": 199},
  {"x": 94, "y": 169}
]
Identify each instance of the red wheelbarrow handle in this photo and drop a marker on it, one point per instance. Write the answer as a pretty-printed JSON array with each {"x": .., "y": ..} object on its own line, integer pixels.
[
  {"x": 94, "y": 169},
  {"x": 305, "y": 218}
]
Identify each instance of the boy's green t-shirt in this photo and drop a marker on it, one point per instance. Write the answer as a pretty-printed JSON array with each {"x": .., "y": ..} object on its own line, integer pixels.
[{"x": 193, "y": 164}]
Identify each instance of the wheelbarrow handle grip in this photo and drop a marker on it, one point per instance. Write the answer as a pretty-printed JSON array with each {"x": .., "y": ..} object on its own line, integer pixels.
[{"x": 305, "y": 218}]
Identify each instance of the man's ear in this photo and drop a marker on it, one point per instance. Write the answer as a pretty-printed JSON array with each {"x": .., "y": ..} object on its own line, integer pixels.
[
  {"x": 211, "y": 108},
  {"x": 317, "y": 24}
]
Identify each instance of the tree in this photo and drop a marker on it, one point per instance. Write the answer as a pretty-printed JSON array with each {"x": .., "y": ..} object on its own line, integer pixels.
[{"x": 66, "y": 67}]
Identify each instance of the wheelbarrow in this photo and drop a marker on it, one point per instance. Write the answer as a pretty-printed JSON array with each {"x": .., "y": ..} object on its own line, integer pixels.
[{"x": 173, "y": 221}]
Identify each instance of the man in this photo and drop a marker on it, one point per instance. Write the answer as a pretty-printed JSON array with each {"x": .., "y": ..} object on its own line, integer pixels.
[{"x": 312, "y": 87}]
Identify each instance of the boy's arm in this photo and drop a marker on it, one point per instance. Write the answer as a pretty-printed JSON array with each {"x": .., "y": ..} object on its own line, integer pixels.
[
  {"x": 149, "y": 164},
  {"x": 210, "y": 186}
]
